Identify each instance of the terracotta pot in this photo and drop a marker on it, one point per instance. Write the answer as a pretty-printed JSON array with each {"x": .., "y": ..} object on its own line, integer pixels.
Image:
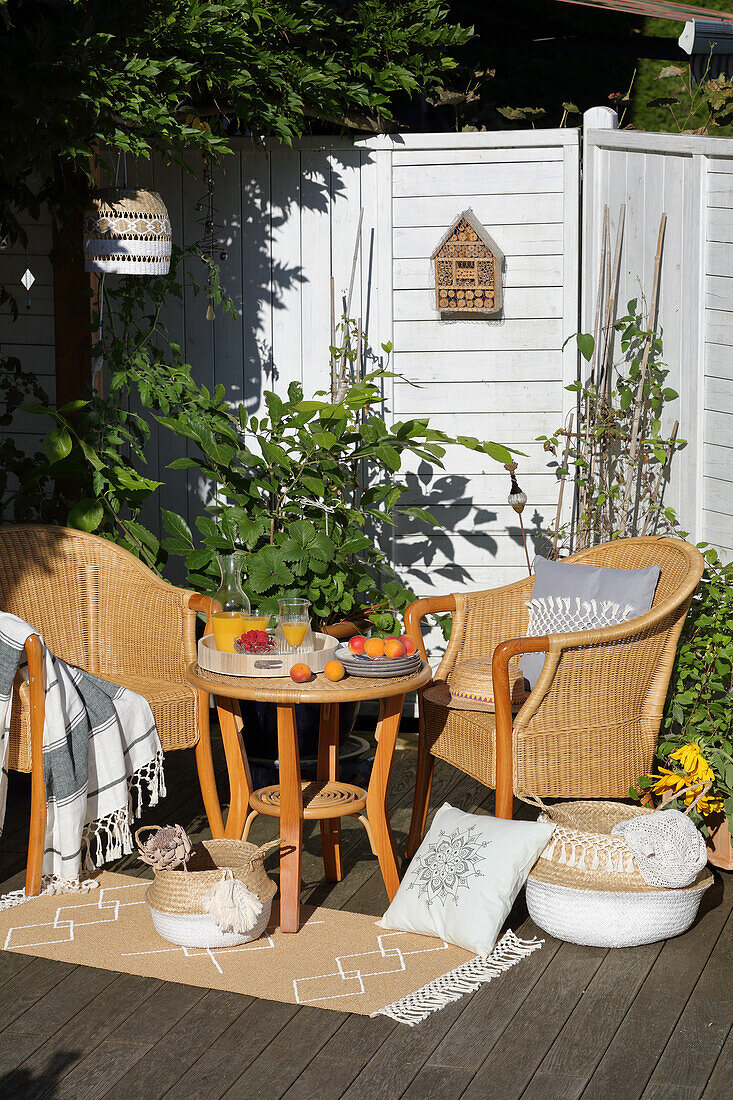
[
  {"x": 720, "y": 843},
  {"x": 343, "y": 630}
]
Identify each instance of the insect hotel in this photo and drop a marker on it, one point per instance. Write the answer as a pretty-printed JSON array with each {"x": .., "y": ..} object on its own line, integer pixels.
[{"x": 468, "y": 270}]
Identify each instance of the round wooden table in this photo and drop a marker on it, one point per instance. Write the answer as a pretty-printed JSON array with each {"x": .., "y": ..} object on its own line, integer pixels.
[{"x": 326, "y": 800}]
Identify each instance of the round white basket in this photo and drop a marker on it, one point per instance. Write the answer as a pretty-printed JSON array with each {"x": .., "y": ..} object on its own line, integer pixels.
[
  {"x": 200, "y": 930},
  {"x": 592, "y": 913}
]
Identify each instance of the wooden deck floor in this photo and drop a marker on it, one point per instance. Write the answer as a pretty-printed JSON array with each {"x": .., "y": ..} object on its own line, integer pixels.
[{"x": 647, "y": 1022}]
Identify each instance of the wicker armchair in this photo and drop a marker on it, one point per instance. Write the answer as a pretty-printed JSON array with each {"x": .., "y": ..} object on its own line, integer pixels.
[
  {"x": 589, "y": 728},
  {"x": 101, "y": 609}
]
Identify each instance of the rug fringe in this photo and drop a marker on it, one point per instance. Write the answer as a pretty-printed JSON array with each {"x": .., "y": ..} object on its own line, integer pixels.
[
  {"x": 50, "y": 884},
  {"x": 467, "y": 978}
]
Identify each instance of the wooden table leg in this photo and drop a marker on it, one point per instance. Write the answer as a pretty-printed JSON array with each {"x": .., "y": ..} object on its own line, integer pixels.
[
  {"x": 291, "y": 818},
  {"x": 240, "y": 780},
  {"x": 390, "y": 712},
  {"x": 328, "y": 769},
  {"x": 205, "y": 768}
]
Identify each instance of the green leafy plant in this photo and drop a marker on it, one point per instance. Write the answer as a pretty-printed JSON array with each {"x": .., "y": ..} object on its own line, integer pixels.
[
  {"x": 141, "y": 77},
  {"x": 696, "y": 744},
  {"x": 619, "y": 492},
  {"x": 93, "y": 474},
  {"x": 618, "y": 453},
  {"x": 307, "y": 495}
]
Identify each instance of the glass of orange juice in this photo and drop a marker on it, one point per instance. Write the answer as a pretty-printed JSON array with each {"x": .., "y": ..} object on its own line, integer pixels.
[
  {"x": 227, "y": 625},
  {"x": 293, "y": 623},
  {"x": 255, "y": 619}
]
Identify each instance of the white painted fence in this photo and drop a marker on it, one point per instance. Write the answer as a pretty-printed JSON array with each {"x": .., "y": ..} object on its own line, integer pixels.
[
  {"x": 690, "y": 178},
  {"x": 290, "y": 218}
]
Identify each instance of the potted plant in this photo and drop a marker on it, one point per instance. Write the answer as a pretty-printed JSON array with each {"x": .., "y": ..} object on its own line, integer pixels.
[{"x": 308, "y": 494}]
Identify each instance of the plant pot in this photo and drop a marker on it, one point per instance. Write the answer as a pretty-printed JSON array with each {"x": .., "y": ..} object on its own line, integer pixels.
[
  {"x": 720, "y": 843},
  {"x": 260, "y": 736}
]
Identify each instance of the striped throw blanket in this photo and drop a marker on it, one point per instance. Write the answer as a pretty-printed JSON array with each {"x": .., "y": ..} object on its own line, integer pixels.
[{"x": 102, "y": 759}]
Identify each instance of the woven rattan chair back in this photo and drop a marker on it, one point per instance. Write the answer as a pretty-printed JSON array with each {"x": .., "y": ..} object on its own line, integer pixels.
[{"x": 95, "y": 604}]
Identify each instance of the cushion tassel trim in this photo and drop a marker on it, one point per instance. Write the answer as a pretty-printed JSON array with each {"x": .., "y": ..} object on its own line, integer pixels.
[{"x": 467, "y": 978}]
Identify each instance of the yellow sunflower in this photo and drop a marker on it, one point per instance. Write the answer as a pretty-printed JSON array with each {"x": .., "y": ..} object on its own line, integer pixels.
[{"x": 697, "y": 772}]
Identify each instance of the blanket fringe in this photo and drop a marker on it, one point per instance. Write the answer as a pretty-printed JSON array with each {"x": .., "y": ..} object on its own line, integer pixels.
[
  {"x": 467, "y": 978},
  {"x": 50, "y": 884},
  {"x": 111, "y": 837}
]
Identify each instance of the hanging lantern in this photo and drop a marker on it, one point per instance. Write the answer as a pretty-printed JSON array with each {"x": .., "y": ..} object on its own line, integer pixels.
[{"x": 127, "y": 232}]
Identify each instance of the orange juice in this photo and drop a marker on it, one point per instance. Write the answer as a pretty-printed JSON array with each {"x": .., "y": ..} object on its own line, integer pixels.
[
  {"x": 255, "y": 622},
  {"x": 228, "y": 625},
  {"x": 294, "y": 632}
]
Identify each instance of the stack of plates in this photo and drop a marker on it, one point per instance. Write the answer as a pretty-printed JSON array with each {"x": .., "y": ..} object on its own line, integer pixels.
[{"x": 378, "y": 667}]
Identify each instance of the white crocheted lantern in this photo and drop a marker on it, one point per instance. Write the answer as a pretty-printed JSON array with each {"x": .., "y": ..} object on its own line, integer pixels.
[{"x": 127, "y": 232}]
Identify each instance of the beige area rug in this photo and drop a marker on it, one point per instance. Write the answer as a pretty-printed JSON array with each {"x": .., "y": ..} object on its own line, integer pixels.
[{"x": 337, "y": 960}]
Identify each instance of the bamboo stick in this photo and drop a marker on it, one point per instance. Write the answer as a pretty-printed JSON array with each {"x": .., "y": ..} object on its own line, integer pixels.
[
  {"x": 607, "y": 367},
  {"x": 587, "y": 449},
  {"x": 590, "y": 406},
  {"x": 562, "y": 483},
  {"x": 658, "y": 487},
  {"x": 640, "y": 401}
]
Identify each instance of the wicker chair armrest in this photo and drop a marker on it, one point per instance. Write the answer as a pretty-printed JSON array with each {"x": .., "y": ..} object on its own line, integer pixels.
[
  {"x": 206, "y": 605},
  {"x": 417, "y": 610},
  {"x": 503, "y": 704}
]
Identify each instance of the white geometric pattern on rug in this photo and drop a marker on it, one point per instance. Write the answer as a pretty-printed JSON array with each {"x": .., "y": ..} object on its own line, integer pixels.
[
  {"x": 349, "y": 982},
  {"x": 67, "y": 929}
]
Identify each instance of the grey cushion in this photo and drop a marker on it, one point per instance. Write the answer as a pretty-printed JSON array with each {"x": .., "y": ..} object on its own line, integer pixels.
[{"x": 635, "y": 587}]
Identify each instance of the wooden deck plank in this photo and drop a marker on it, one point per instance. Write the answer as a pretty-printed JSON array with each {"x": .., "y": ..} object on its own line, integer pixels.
[
  {"x": 99, "y": 1017},
  {"x": 719, "y": 1083},
  {"x": 567, "y": 1022},
  {"x": 590, "y": 1027},
  {"x": 274, "y": 1070},
  {"x": 689, "y": 1058},
  {"x": 511, "y": 1062},
  {"x": 634, "y": 1050},
  {"x": 106, "y": 1062},
  {"x": 164, "y": 1063},
  {"x": 234, "y": 1051}
]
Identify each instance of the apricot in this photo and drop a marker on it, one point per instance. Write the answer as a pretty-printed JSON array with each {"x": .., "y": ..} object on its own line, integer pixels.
[
  {"x": 390, "y": 638},
  {"x": 300, "y": 673},
  {"x": 334, "y": 670},
  {"x": 408, "y": 644},
  {"x": 357, "y": 643},
  {"x": 394, "y": 649},
  {"x": 374, "y": 647}
]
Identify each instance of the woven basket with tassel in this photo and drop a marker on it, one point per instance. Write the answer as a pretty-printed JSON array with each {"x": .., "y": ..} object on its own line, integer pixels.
[{"x": 221, "y": 897}]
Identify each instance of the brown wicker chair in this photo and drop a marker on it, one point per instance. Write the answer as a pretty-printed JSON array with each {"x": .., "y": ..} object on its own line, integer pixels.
[
  {"x": 589, "y": 728},
  {"x": 101, "y": 609}
]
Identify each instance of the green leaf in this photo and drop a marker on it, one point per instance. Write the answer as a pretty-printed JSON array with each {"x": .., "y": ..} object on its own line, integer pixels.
[
  {"x": 586, "y": 345},
  {"x": 57, "y": 444},
  {"x": 175, "y": 525},
  {"x": 86, "y": 515},
  {"x": 182, "y": 464},
  {"x": 267, "y": 570}
]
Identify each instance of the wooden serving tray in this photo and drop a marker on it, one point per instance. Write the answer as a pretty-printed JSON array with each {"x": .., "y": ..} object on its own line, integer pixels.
[{"x": 265, "y": 664}]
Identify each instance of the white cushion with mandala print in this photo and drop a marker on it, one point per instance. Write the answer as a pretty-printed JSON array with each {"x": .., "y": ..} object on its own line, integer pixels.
[{"x": 465, "y": 876}]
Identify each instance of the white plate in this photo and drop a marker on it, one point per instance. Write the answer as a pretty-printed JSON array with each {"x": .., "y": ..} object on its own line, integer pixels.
[{"x": 378, "y": 667}]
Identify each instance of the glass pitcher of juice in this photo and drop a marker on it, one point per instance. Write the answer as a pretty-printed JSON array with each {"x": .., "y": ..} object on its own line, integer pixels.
[
  {"x": 228, "y": 623},
  {"x": 294, "y": 626}
]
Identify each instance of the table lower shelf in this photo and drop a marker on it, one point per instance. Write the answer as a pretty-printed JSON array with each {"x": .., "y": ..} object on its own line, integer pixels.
[{"x": 321, "y": 800}]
